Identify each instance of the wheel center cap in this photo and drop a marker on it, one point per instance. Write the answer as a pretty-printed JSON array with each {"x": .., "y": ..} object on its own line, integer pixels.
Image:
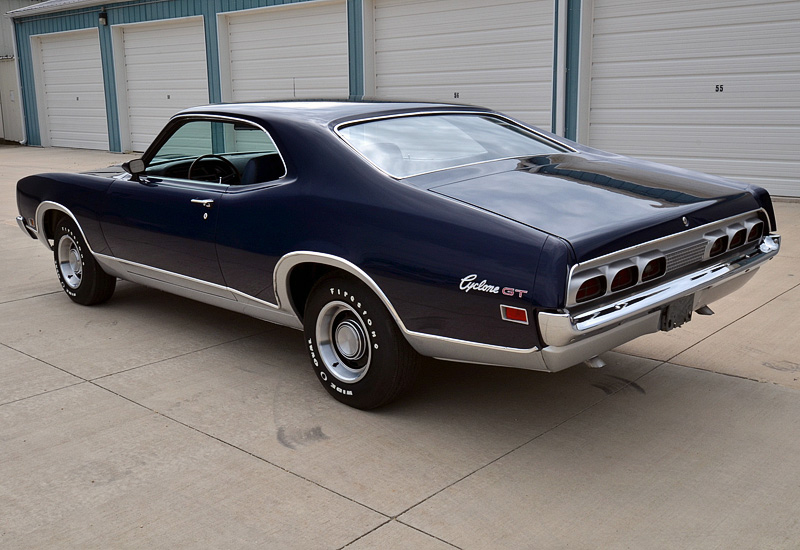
[
  {"x": 74, "y": 261},
  {"x": 350, "y": 340}
]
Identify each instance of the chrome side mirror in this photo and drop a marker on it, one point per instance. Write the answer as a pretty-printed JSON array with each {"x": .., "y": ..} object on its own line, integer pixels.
[{"x": 134, "y": 167}]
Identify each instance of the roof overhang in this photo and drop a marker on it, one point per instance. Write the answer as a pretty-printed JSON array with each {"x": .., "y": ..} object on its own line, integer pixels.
[{"x": 51, "y": 6}]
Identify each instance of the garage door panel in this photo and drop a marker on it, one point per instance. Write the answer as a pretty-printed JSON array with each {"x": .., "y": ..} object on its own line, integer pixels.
[
  {"x": 764, "y": 64},
  {"x": 510, "y": 77},
  {"x": 705, "y": 140},
  {"x": 698, "y": 43},
  {"x": 404, "y": 12},
  {"x": 299, "y": 51},
  {"x": 622, "y": 8},
  {"x": 709, "y": 86},
  {"x": 739, "y": 91},
  {"x": 71, "y": 90},
  {"x": 164, "y": 71},
  {"x": 753, "y": 118},
  {"x": 302, "y": 56},
  {"x": 316, "y": 45},
  {"x": 487, "y": 56},
  {"x": 498, "y": 54}
]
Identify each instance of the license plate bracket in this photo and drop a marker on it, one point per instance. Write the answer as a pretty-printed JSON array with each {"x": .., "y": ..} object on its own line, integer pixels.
[{"x": 677, "y": 313}]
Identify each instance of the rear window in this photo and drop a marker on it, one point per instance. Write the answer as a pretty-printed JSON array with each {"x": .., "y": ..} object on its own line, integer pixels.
[{"x": 412, "y": 145}]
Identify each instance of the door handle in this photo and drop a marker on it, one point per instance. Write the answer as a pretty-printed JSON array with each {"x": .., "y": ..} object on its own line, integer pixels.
[{"x": 205, "y": 202}]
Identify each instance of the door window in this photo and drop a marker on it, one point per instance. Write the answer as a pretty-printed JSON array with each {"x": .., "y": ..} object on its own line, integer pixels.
[{"x": 225, "y": 152}]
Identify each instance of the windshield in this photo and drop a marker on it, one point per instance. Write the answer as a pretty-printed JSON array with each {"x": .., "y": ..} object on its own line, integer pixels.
[{"x": 413, "y": 145}]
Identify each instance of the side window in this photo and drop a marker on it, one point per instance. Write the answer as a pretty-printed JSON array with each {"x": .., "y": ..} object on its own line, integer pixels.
[
  {"x": 224, "y": 152},
  {"x": 191, "y": 140}
]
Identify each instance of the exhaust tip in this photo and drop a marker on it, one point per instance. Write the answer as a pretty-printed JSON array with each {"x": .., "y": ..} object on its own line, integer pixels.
[{"x": 595, "y": 363}]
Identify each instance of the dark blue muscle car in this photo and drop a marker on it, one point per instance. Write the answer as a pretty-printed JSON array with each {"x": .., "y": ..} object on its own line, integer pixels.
[{"x": 386, "y": 231}]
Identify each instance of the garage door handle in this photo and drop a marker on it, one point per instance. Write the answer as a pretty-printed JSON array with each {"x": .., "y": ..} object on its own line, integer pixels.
[{"x": 205, "y": 202}]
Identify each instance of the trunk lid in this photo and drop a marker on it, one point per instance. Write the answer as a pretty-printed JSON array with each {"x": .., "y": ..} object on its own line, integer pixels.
[{"x": 596, "y": 202}]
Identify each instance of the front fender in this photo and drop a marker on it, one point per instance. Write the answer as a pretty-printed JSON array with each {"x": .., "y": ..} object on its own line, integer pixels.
[{"x": 79, "y": 196}]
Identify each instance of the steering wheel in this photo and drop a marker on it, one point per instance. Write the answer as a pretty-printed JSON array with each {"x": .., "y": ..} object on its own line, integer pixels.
[{"x": 222, "y": 169}]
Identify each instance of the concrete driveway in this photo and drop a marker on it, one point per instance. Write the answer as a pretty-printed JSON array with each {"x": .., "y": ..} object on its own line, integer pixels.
[{"x": 156, "y": 422}]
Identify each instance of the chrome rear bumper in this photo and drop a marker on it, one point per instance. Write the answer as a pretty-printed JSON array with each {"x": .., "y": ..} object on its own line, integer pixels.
[{"x": 571, "y": 339}]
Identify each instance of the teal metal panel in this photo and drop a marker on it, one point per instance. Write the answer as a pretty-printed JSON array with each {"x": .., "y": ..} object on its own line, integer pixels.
[
  {"x": 27, "y": 87},
  {"x": 573, "y": 55},
  {"x": 355, "y": 33},
  {"x": 554, "y": 105},
  {"x": 109, "y": 82},
  {"x": 137, "y": 11}
]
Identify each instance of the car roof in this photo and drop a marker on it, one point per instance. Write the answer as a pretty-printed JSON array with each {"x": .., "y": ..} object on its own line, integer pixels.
[{"x": 325, "y": 111}]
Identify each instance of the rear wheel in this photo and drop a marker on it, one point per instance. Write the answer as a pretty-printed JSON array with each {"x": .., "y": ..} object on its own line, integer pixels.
[
  {"x": 356, "y": 349},
  {"x": 80, "y": 276}
]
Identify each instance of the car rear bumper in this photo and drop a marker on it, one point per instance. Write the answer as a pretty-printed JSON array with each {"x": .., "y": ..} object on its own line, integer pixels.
[{"x": 571, "y": 339}]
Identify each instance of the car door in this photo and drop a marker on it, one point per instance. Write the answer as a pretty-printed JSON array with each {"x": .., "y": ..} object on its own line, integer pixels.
[{"x": 166, "y": 217}]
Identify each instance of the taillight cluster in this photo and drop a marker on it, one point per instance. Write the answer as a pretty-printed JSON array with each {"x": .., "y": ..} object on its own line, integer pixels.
[
  {"x": 624, "y": 274},
  {"x": 733, "y": 237}
]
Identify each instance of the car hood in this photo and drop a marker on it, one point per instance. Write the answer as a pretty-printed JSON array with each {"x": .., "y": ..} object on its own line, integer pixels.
[{"x": 598, "y": 203}]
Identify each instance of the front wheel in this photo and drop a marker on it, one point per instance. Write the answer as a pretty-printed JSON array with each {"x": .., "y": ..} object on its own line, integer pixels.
[
  {"x": 80, "y": 275},
  {"x": 356, "y": 349}
]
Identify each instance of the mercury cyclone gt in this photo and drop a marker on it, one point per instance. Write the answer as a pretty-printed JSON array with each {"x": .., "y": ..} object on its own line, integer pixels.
[{"x": 390, "y": 231}]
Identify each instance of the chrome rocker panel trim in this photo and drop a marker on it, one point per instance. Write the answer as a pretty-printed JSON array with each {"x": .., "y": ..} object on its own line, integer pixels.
[
  {"x": 570, "y": 340},
  {"x": 606, "y": 327},
  {"x": 282, "y": 313}
]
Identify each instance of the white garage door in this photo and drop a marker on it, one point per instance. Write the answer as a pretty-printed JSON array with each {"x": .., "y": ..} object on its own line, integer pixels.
[
  {"x": 496, "y": 53},
  {"x": 161, "y": 69},
  {"x": 286, "y": 52},
  {"x": 69, "y": 88},
  {"x": 712, "y": 86}
]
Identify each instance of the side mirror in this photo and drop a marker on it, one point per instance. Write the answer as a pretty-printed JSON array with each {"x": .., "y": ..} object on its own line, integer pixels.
[{"x": 134, "y": 167}]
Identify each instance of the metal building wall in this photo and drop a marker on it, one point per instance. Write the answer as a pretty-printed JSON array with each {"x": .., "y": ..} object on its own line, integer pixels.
[{"x": 149, "y": 10}]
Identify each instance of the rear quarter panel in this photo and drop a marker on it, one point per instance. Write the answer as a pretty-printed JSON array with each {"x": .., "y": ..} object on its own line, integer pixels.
[{"x": 417, "y": 246}]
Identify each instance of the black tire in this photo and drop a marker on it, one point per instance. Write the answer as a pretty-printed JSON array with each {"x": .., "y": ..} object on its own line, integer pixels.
[
  {"x": 80, "y": 276},
  {"x": 357, "y": 352}
]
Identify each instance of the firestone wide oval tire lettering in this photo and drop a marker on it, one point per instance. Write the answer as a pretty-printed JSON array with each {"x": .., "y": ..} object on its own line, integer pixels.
[
  {"x": 356, "y": 350},
  {"x": 83, "y": 280}
]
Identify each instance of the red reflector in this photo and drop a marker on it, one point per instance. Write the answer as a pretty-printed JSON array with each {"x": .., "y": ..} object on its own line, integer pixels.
[
  {"x": 514, "y": 314},
  {"x": 591, "y": 288},
  {"x": 720, "y": 246},
  {"x": 755, "y": 232},
  {"x": 654, "y": 269},
  {"x": 738, "y": 238},
  {"x": 624, "y": 278}
]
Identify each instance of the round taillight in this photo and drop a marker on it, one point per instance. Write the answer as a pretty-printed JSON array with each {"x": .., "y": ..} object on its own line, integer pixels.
[
  {"x": 591, "y": 288},
  {"x": 654, "y": 269},
  {"x": 738, "y": 239},
  {"x": 625, "y": 278},
  {"x": 720, "y": 245},
  {"x": 755, "y": 232}
]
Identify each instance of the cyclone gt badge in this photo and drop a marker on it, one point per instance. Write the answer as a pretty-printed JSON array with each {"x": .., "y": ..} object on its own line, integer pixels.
[{"x": 469, "y": 283}]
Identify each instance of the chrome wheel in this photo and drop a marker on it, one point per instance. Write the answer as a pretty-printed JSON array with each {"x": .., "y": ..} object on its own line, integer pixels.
[
  {"x": 69, "y": 262},
  {"x": 343, "y": 341}
]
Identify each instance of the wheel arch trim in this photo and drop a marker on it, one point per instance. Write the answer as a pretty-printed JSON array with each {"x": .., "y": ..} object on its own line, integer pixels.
[
  {"x": 41, "y": 231},
  {"x": 283, "y": 271},
  {"x": 441, "y": 347}
]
